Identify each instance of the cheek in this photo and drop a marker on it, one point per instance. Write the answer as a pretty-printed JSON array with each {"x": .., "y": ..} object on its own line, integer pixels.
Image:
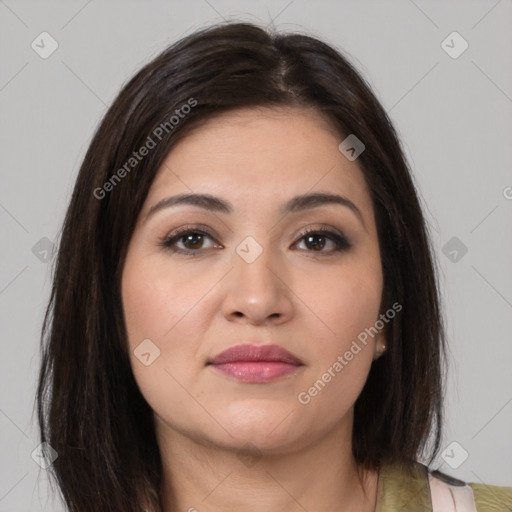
[
  {"x": 343, "y": 303},
  {"x": 341, "y": 345},
  {"x": 169, "y": 307},
  {"x": 355, "y": 308},
  {"x": 158, "y": 306},
  {"x": 156, "y": 299}
]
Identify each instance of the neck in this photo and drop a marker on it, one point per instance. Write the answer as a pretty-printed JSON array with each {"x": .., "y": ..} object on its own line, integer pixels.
[{"x": 209, "y": 478}]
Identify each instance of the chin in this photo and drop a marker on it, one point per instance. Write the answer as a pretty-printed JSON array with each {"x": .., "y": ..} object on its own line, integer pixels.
[{"x": 268, "y": 426}]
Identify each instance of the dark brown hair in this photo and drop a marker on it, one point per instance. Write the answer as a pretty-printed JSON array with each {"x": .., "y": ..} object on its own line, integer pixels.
[{"x": 90, "y": 409}]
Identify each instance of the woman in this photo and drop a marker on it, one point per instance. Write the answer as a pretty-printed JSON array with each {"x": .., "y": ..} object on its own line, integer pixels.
[{"x": 245, "y": 312}]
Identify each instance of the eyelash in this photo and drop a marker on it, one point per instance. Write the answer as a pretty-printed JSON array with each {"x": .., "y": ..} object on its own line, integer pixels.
[{"x": 342, "y": 243}]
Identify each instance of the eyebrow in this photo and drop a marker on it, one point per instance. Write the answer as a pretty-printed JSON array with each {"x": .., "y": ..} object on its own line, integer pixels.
[{"x": 295, "y": 204}]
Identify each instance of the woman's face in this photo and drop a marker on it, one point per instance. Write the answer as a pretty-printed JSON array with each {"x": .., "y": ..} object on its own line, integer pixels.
[{"x": 248, "y": 272}]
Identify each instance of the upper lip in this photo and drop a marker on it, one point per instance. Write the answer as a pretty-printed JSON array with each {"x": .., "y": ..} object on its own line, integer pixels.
[{"x": 249, "y": 352}]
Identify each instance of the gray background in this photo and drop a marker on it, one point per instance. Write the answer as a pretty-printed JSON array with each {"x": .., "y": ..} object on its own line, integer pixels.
[{"x": 454, "y": 117}]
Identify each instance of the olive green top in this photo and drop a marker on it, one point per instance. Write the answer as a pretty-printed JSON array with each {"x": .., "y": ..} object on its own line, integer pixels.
[{"x": 409, "y": 491}]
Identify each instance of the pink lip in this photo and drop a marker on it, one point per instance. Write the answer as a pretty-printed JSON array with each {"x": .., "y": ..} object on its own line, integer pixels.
[{"x": 256, "y": 363}]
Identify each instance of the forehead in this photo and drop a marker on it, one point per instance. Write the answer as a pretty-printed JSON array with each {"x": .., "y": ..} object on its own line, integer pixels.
[{"x": 257, "y": 156}]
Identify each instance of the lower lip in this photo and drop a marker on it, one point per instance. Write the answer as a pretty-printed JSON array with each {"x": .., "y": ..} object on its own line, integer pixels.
[{"x": 256, "y": 371}]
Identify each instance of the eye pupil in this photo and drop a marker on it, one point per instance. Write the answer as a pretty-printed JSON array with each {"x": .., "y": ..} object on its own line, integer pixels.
[
  {"x": 316, "y": 245},
  {"x": 194, "y": 238}
]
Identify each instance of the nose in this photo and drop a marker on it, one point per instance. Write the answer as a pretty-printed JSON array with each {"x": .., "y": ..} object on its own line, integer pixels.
[{"x": 257, "y": 292}]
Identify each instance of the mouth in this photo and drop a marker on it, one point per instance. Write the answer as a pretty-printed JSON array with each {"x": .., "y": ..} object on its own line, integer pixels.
[{"x": 256, "y": 363}]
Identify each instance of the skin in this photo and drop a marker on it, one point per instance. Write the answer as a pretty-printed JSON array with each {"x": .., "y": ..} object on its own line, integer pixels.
[{"x": 313, "y": 302}]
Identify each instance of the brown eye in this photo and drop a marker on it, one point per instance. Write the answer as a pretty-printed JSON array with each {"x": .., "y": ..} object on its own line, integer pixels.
[
  {"x": 191, "y": 240},
  {"x": 312, "y": 241},
  {"x": 317, "y": 240}
]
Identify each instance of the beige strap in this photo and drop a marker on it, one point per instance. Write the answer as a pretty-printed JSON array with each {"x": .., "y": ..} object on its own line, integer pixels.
[{"x": 451, "y": 498}]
